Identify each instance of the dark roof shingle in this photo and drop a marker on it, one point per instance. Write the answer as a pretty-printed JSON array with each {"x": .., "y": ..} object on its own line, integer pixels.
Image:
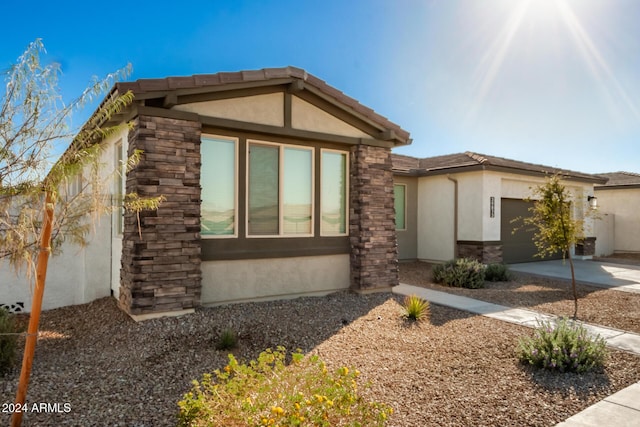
[
  {"x": 143, "y": 86},
  {"x": 468, "y": 159}
]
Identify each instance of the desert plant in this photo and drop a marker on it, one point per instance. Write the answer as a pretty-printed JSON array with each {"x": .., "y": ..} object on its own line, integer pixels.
[
  {"x": 415, "y": 308},
  {"x": 267, "y": 392},
  {"x": 8, "y": 341},
  {"x": 497, "y": 273},
  {"x": 564, "y": 346},
  {"x": 227, "y": 340},
  {"x": 460, "y": 273}
]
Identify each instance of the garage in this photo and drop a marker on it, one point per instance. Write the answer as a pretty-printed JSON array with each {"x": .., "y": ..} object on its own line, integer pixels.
[{"x": 518, "y": 246}]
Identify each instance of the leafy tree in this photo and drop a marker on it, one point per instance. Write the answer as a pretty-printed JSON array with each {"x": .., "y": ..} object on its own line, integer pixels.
[
  {"x": 45, "y": 202},
  {"x": 34, "y": 122},
  {"x": 555, "y": 228}
]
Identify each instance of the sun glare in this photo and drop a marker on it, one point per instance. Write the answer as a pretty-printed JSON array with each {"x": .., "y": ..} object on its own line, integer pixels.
[{"x": 538, "y": 25}]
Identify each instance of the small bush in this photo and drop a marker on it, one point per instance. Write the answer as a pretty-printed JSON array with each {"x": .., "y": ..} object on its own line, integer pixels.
[
  {"x": 563, "y": 347},
  {"x": 9, "y": 342},
  {"x": 460, "y": 273},
  {"x": 267, "y": 392},
  {"x": 497, "y": 273},
  {"x": 227, "y": 340},
  {"x": 416, "y": 308}
]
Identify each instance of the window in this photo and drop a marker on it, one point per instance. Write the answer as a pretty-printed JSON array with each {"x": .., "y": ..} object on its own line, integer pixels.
[
  {"x": 333, "y": 200},
  {"x": 219, "y": 187},
  {"x": 279, "y": 190},
  {"x": 399, "y": 204},
  {"x": 118, "y": 193}
]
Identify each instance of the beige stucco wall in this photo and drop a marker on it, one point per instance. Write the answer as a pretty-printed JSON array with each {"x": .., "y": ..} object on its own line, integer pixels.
[
  {"x": 625, "y": 205},
  {"x": 265, "y": 109},
  {"x": 306, "y": 116},
  {"x": 78, "y": 274},
  {"x": 435, "y": 209},
  {"x": 436, "y": 212},
  {"x": 275, "y": 278}
]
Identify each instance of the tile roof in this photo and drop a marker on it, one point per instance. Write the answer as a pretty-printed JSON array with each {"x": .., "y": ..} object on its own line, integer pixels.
[
  {"x": 621, "y": 178},
  {"x": 265, "y": 75},
  {"x": 470, "y": 160}
]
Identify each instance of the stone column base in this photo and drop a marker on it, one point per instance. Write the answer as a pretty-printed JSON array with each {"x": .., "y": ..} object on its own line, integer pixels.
[{"x": 485, "y": 252}]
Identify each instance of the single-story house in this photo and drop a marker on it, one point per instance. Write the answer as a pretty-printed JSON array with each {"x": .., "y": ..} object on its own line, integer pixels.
[
  {"x": 619, "y": 201},
  {"x": 463, "y": 205},
  {"x": 276, "y": 185}
]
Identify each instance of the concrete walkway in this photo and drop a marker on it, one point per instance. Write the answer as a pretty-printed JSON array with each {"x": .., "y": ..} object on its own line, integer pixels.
[
  {"x": 620, "y": 277},
  {"x": 619, "y": 409}
]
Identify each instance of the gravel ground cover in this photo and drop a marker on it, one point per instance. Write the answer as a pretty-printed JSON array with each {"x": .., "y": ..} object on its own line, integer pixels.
[
  {"x": 457, "y": 369},
  {"x": 615, "y": 309}
]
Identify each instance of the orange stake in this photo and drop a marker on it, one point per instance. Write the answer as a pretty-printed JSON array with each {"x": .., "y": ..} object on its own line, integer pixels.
[{"x": 36, "y": 307}]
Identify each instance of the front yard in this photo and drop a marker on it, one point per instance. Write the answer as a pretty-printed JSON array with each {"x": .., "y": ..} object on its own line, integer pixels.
[{"x": 457, "y": 369}]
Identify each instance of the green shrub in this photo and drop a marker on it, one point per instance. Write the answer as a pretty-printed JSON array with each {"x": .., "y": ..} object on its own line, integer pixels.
[
  {"x": 460, "y": 273},
  {"x": 416, "y": 308},
  {"x": 9, "y": 342},
  {"x": 227, "y": 340},
  {"x": 563, "y": 347},
  {"x": 267, "y": 392},
  {"x": 497, "y": 273}
]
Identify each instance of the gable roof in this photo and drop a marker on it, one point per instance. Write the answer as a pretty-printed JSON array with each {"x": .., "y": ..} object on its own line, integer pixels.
[
  {"x": 299, "y": 79},
  {"x": 619, "y": 180},
  {"x": 470, "y": 161}
]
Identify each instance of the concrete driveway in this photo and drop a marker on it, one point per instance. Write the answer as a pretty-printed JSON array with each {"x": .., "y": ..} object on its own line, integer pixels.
[{"x": 621, "y": 277}]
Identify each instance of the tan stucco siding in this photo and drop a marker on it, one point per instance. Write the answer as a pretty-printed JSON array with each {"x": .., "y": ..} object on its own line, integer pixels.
[
  {"x": 435, "y": 222},
  {"x": 306, "y": 116},
  {"x": 624, "y": 204},
  {"x": 260, "y": 279},
  {"x": 263, "y": 109}
]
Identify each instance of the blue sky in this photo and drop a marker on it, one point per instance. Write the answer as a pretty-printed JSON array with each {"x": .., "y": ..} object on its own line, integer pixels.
[{"x": 546, "y": 81}]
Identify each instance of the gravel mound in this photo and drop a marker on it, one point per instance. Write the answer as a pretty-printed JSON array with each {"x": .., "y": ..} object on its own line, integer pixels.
[{"x": 457, "y": 369}]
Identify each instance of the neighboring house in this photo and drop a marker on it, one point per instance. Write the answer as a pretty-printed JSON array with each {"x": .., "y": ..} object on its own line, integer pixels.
[
  {"x": 463, "y": 205},
  {"x": 276, "y": 185},
  {"x": 619, "y": 205}
]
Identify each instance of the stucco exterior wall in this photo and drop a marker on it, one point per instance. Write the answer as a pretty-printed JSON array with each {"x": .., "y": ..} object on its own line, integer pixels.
[
  {"x": 78, "y": 274},
  {"x": 436, "y": 207},
  {"x": 625, "y": 205},
  {"x": 265, "y": 109},
  {"x": 306, "y": 116},
  {"x": 226, "y": 282},
  {"x": 435, "y": 218}
]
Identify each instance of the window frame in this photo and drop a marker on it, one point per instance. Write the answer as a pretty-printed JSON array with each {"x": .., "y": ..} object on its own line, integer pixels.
[
  {"x": 405, "y": 206},
  {"x": 281, "y": 168},
  {"x": 346, "y": 195},
  {"x": 236, "y": 152}
]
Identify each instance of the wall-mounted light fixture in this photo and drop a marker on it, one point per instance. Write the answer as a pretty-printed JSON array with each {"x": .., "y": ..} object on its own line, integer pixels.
[{"x": 593, "y": 202}]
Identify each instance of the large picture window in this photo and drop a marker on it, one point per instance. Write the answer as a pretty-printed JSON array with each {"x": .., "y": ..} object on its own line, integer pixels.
[
  {"x": 279, "y": 190},
  {"x": 333, "y": 201},
  {"x": 218, "y": 179}
]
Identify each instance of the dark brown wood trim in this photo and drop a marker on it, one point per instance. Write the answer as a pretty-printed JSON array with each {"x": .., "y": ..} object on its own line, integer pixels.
[
  {"x": 330, "y": 106},
  {"x": 288, "y": 132},
  {"x": 143, "y": 110},
  {"x": 228, "y": 87},
  {"x": 230, "y": 94},
  {"x": 277, "y": 247},
  {"x": 287, "y": 110}
]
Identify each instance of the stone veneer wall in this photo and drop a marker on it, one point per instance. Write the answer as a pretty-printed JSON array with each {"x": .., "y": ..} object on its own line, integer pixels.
[
  {"x": 587, "y": 247},
  {"x": 485, "y": 252},
  {"x": 161, "y": 268},
  {"x": 374, "y": 250}
]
